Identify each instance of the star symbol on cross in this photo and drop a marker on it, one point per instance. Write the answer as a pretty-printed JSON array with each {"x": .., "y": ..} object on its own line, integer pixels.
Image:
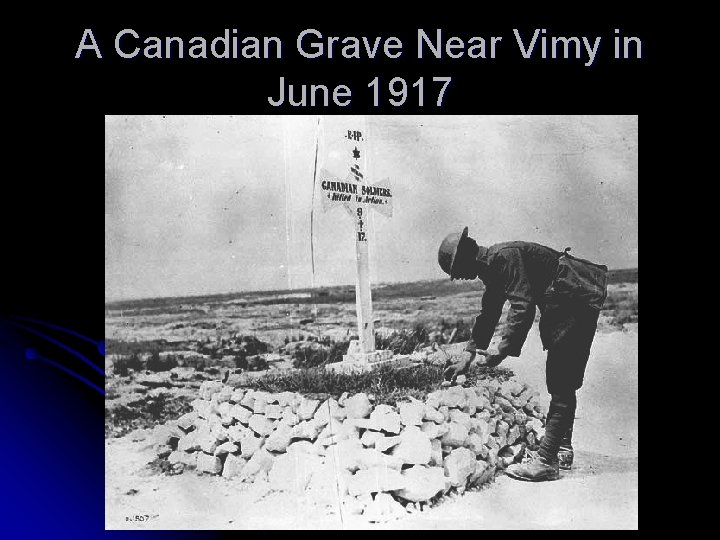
[{"x": 356, "y": 153}]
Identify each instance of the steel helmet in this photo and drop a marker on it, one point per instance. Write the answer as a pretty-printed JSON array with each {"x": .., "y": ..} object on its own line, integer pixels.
[{"x": 448, "y": 251}]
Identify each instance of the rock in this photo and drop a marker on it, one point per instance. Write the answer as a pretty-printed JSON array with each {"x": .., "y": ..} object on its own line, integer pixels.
[
  {"x": 385, "y": 443},
  {"x": 358, "y": 406},
  {"x": 199, "y": 424},
  {"x": 189, "y": 460},
  {"x": 505, "y": 405},
  {"x": 249, "y": 445},
  {"x": 453, "y": 398},
  {"x": 436, "y": 456},
  {"x": 307, "y": 408},
  {"x": 531, "y": 439},
  {"x": 422, "y": 483},
  {"x": 326, "y": 484},
  {"x": 279, "y": 440},
  {"x": 248, "y": 401},
  {"x": 301, "y": 447},
  {"x": 461, "y": 379},
  {"x": 241, "y": 413},
  {"x": 384, "y": 418},
  {"x": 202, "y": 407},
  {"x": 208, "y": 441},
  {"x": 510, "y": 389},
  {"x": 445, "y": 411},
  {"x": 223, "y": 395},
  {"x": 521, "y": 418},
  {"x": 433, "y": 415},
  {"x": 220, "y": 431},
  {"x": 502, "y": 428},
  {"x": 492, "y": 443},
  {"x": 369, "y": 438},
  {"x": 167, "y": 434},
  {"x": 261, "y": 461},
  {"x": 482, "y": 429},
  {"x": 353, "y": 506},
  {"x": 383, "y": 508},
  {"x": 209, "y": 388},
  {"x": 226, "y": 448},
  {"x": 475, "y": 443},
  {"x": 480, "y": 468},
  {"x": 492, "y": 386},
  {"x": 290, "y": 418},
  {"x": 274, "y": 412},
  {"x": 345, "y": 430},
  {"x": 514, "y": 434},
  {"x": 412, "y": 414},
  {"x": 186, "y": 421},
  {"x": 433, "y": 430},
  {"x": 456, "y": 435},
  {"x": 329, "y": 409},
  {"x": 461, "y": 418},
  {"x": 414, "y": 448},
  {"x": 233, "y": 466},
  {"x": 433, "y": 400},
  {"x": 459, "y": 465},
  {"x": 223, "y": 408},
  {"x": 492, "y": 457},
  {"x": 518, "y": 451},
  {"x": 374, "y": 480},
  {"x": 285, "y": 399},
  {"x": 357, "y": 457},
  {"x": 237, "y": 432},
  {"x": 189, "y": 443},
  {"x": 265, "y": 397},
  {"x": 237, "y": 395},
  {"x": 261, "y": 425},
  {"x": 209, "y": 464},
  {"x": 535, "y": 425},
  {"x": 508, "y": 418},
  {"x": 259, "y": 406},
  {"x": 163, "y": 450},
  {"x": 307, "y": 430},
  {"x": 292, "y": 472}
]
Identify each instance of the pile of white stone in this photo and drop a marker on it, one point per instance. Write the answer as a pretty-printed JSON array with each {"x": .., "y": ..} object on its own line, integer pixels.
[{"x": 377, "y": 460}]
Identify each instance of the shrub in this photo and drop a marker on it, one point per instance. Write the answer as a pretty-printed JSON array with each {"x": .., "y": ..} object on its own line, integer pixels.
[
  {"x": 146, "y": 413},
  {"x": 157, "y": 363},
  {"x": 123, "y": 365},
  {"x": 387, "y": 383}
]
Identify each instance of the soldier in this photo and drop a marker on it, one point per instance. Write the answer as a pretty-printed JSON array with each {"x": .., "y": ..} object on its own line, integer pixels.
[{"x": 569, "y": 293}]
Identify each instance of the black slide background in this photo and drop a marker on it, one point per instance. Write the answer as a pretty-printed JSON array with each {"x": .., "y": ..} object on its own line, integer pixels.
[{"x": 52, "y": 211}]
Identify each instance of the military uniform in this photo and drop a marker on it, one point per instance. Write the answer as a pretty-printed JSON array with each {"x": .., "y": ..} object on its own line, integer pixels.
[{"x": 523, "y": 273}]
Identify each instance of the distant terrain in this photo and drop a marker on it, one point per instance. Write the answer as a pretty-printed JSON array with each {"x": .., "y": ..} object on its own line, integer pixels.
[{"x": 328, "y": 295}]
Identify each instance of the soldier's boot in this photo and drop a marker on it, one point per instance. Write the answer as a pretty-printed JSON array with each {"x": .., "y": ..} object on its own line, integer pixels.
[
  {"x": 537, "y": 469},
  {"x": 545, "y": 466},
  {"x": 565, "y": 452}
]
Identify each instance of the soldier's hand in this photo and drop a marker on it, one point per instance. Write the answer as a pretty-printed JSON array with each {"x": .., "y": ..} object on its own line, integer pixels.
[
  {"x": 492, "y": 357},
  {"x": 460, "y": 367}
]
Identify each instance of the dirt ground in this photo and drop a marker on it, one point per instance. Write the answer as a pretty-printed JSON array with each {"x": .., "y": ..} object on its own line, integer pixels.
[{"x": 600, "y": 493}]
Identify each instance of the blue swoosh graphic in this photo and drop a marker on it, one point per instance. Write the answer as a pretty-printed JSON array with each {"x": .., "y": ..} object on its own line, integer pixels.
[
  {"x": 31, "y": 354},
  {"x": 100, "y": 344},
  {"x": 62, "y": 346}
]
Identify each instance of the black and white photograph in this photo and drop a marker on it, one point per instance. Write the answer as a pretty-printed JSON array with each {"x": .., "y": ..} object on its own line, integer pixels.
[{"x": 371, "y": 322}]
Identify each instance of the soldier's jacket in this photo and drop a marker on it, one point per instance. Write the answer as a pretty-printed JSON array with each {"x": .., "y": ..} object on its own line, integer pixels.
[{"x": 526, "y": 275}]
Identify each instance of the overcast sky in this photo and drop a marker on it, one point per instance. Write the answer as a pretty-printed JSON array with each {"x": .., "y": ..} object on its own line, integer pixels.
[{"x": 212, "y": 204}]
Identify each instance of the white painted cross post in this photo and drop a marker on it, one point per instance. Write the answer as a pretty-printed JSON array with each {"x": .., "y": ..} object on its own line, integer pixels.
[{"x": 357, "y": 196}]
